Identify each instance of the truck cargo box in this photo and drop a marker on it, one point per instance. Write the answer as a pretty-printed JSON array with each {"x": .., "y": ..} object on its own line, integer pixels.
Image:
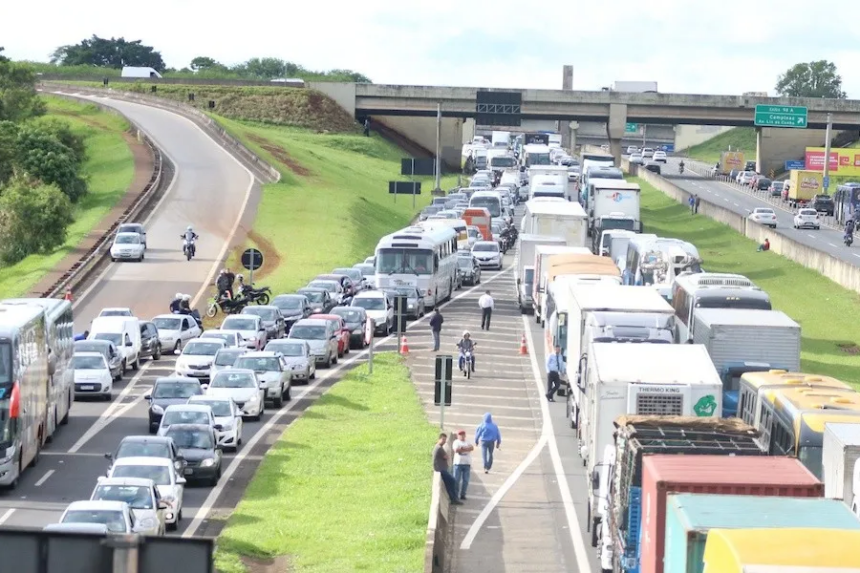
[{"x": 840, "y": 452}]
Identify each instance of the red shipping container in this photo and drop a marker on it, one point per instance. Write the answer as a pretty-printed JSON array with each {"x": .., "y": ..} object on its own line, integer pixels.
[{"x": 728, "y": 475}]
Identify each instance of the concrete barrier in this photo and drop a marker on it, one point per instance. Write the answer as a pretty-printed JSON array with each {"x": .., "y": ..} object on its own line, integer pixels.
[{"x": 436, "y": 553}]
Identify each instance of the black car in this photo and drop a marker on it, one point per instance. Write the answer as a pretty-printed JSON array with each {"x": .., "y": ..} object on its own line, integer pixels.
[
  {"x": 150, "y": 345},
  {"x": 653, "y": 167},
  {"x": 355, "y": 320},
  {"x": 293, "y": 307},
  {"x": 320, "y": 299},
  {"x": 167, "y": 392},
  {"x": 469, "y": 270},
  {"x": 763, "y": 184},
  {"x": 823, "y": 204},
  {"x": 199, "y": 446},
  {"x": 148, "y": 447}
]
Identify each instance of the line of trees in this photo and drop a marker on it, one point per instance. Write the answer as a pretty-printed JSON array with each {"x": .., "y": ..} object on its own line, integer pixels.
[
  {"x": 41, "y": 165},
  {"x": 115, "y": 53}
]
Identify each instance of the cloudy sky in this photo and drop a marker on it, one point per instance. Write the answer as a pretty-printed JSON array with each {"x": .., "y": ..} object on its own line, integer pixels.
[{"x": 686, "y": 46}]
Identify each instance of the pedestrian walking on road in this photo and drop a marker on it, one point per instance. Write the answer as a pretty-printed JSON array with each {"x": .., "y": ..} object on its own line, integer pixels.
[
  {"x": 489, "y": 437},
  {"x": 436, "y": 328},
  {"x": 555, "y": 369},
  {"x": 440, "y": 464},
  {"x": 486, "y": 303},
  {"x": 696, "y": 205},
  {"x": 462, "y": 463}
]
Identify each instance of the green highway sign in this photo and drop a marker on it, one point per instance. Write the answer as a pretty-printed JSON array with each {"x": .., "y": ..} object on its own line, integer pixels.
[
  {"x": 781, "y": 116},
  {"x": 631, "y": 128}
]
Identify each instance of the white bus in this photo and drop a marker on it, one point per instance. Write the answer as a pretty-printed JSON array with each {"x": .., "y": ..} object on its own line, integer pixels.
[
  {"x": 59, "y": 323},
  {"x": 24, "y": 389},
  {"x": 426, "y": 260},
  {"x": 459, "y": 225},
  {"x": 656, "y": 261},
  {"x": 489, "y": 200}
]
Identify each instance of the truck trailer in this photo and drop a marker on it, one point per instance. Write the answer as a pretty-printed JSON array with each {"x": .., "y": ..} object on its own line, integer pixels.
[
  {"x": 840, "y": 453},
  {"x": 524, "y": 265}
]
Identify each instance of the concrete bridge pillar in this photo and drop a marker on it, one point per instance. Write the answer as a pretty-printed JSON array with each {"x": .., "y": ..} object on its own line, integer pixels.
[{"x": 615, "y": 129}]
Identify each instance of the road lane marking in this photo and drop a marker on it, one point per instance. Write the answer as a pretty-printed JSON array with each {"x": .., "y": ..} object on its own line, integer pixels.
[
  {"x": 44, "y": 478},
  {"x": 832, "y": 245},
  {"x": 810, "y": 235},
  {"x": 856, "y": 255},
  {"x": 5, "y": 517}
]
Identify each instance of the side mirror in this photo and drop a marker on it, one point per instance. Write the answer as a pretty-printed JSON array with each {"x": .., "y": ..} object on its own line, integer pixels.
[
  {"x": 219, "y": 427},
  {"x": 147, "y": 397},
  {"x": 204, "y": 387},
  {"x": 129, "y": 343},
  {"x": 181, "y": 481},
  {"x": 109, "y": 456},
  {"x": 162, "y": 505},
  {"x": 100, "y": 479}
]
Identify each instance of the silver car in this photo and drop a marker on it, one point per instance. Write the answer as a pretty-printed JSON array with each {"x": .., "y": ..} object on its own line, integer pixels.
[
  {"x": 297, "y": 355},
  {"x": 274, "y": 375},
  {"x": 320, "y": 336},
  {"x": 250, "y": 327},
  {"x": 142, "y": 497},
  {"x": 273, "y": 320},
  {"x": 115, "y": 515}
]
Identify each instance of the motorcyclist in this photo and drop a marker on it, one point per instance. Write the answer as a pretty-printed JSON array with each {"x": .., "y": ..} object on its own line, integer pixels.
[
  {"x": 849, "y": 227},
  {"x": 185, "y": 304},
  {"x": 176, "y": 302},
  {"x": 188, "y": 237},
  {"x": 466, "y": 344},
  {"x": 681, "y": 166}
]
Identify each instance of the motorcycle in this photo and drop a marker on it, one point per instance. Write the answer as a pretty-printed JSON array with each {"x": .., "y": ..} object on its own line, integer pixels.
[
  {"x": 680, "y": 170},
  {"x": 195, "y": 314},
  {"x": 226, "y": 305},
  {"x": 467, "y": 364},
  {"x": 848, "y": 239},
  {"x": 257, "y": 295},
  {"x": 189, "y": 249}
]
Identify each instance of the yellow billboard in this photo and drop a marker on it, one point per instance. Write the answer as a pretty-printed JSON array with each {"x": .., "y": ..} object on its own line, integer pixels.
[
  {"x": 843, "y": 162},
  {"x": 732, "y": 160}
]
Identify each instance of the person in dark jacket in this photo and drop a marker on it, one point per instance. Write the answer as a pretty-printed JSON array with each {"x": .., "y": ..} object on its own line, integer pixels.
[
  {"x": 224, "y": 285},
  {"x": 231, "y": 280},
  {"x": 436, "y": 328},
  {"x": 176, "y": 303}
]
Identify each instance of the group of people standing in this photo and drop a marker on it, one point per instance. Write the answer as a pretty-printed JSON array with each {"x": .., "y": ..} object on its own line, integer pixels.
[{"x": 487, "y": 436}]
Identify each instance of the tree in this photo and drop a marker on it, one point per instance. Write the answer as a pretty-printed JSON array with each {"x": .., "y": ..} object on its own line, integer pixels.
[
  {"x": 814, "y": 79},
  {"x": 34, "y": 218},
  {"x": 351, "y": 75},
  {"x": 267, "y": 68},
  {"x": 18, "y": 97},
  {"x": 202, "y": 63},
  {"x": 8, "y": 138},
  {"x": 41, "y": 155},
  {"x": 3, "y": 59},
  {"x": 108, "y": 53},
  {"x": 60, "y": 130}
]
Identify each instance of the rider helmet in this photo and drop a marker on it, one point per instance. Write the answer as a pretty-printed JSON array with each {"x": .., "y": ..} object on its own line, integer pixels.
[
  {"x": 240, "y": 278},
  {"x": 466, "y": 333},
  {"x": 178, "y": 295},
  {"x": 186, "y": 297},
  {"x": 189, "y": 228}
]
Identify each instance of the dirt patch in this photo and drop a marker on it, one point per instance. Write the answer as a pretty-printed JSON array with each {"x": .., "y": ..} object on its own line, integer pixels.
[
  {"x": 271, "y": 258},
  {"x": 280, "y": 154},
  {"x": 280, "y": 564},
  {"x": 849, "y": 348}
]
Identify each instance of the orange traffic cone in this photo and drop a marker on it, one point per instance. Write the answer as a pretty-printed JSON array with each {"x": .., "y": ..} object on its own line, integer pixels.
[
  {"x": 68, "y": 294},
  {"x": 404, "y": 347},
  {"x": 524, "y": 349}
]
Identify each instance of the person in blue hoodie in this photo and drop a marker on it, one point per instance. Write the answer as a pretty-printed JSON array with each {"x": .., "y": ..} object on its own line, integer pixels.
[{"x": 488, "y": 436}]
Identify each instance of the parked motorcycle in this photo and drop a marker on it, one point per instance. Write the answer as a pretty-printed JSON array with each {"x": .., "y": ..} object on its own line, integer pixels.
[
  {"x": 257, "y": 295},
  {"x": 226, "y": 305}
]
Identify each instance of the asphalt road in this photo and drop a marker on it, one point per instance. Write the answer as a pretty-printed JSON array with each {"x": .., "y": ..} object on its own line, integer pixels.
[{"x": 742, "y": 200}]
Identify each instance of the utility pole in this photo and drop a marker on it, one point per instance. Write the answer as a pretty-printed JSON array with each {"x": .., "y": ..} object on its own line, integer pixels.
[
  {"x": 438, "y": 147},
  {"x": 644, "y": 134},
  {"x": 827, "y": 152}
]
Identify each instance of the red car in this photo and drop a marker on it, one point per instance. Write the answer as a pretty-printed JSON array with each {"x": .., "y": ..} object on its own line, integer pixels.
[{"x": 340, "y": 331}]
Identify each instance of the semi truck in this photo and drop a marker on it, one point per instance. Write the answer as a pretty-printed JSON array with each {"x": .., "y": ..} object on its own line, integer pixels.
[
  {"x": 542, "y": 255},
  {"x": 524, "y": 265},
  {"x": 840, "y": 452},
  {"x": 734, "y": 336},
  {"x": 596, "y": 173},
  {"x": 575, "y": 263}
]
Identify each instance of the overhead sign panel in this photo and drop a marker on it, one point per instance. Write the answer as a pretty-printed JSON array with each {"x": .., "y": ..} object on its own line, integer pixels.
[{"x": 498, "y": 108}]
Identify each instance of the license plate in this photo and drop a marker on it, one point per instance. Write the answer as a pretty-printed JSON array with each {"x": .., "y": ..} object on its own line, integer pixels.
[
  {"x": 188, "y": 471},
  {"x": 89, "y": 387}
]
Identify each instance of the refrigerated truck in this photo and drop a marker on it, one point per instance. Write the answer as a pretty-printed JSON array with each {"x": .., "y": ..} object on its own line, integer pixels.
[
  {"x": 524, "y": 262},
  {"x": 552, "y": 262},
  {"x": 556, "y": 219},
  {"x": 839, "y": 457}
]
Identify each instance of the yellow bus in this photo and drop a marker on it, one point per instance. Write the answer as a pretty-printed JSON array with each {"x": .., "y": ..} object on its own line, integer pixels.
[
  {"x": 755, "y": 387},
  {"x": 792, "y": 424}
]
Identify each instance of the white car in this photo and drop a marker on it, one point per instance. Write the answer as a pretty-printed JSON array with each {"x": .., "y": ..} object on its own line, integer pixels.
[
  {"x": 226, "y": 358},
  {"x": 197, "y": 357},
  {"x": 127, "y": 247},
  {"x": 660, "y": 157},
  {"x": 242, "y": 387},
  {"x": 764, "y": 216},
  {"x": 807, "y": 219},
  {"x": 115, "y": 515},
  {"x": 170, "y": 485},
  {"x": 745, "y": 177},
  {"x": 378, "y": 307},
  {"x": 142, "y": 497},
  {"x": 230, "y": 337},
  {"x": 647, "y": 152},
  {"x": 272, "y": 371},
  {"x": 637, "y": 159},
  {"x": 186, "y": 414},
  {"x": 116, "y": 311},
  {"x": 227, "y": 416},
  {"x": 251, "y": 328},
  {"x": 297, "y": 355},
  {"x": 488, "y": 255},
  {"x": 92, "y": 375},
  {"x": 632, "y": 149},
  {"x": 174, "y": 330}
]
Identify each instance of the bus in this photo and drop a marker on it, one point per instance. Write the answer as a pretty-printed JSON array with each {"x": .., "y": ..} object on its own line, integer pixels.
[
  {"x": 657, "y": 261},
  {"x": 489, "y": 200},
  {"x": 458, "y": 225},
  {"x": 24, "y": 389},
  {"x": 712, "y": 290},
  {"x": 416, "y": 257},
  {"x": 754, "y": 388},
  {"x": 793, "y": 423},
  {"x": 59, "y": 323}
]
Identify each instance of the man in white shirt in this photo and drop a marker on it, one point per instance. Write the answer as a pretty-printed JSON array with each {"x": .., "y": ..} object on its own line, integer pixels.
[
  {"x": 462, "y": 463},
  {"x": 486, "y": 303}
]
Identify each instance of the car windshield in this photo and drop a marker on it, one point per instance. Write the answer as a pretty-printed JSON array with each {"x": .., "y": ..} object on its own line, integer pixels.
[
  {"x": 314, "y": 296},
  {"x": 202, "y": 348},
  {"x": 258, "y": 363},
  {"x": 136, "y": 496},
  {"x": 236, "y": 323},
  {"x": 502, "y": 161},
  {"x": 88, "y": 363},
  {"x": 114, "y": 520},
  {"x": 348, "y": 315},
  {"x": 291, "y": 303},
  {"x": 485, "y": 247},
  {"x": 406, "y": 261},
  {"x": 167, "y": 323},
  {"x": 330, "y": 286},
  {"x": 369, "y": 303},
  {"x": 227, "y": 337},
  {"x": 227, "y": 357},
  {"x": 191, "y": 439},
  {"x": 134, "y": 449},
  {"x": 464, "y": 263},
  {"x": 130, "y": 229},
  {"x": 220, "y": 408},
  {"x": 764, "y": 211},
  {"x": 233, "y": 380},
  {"x": 286, "y": 348},
  {"x": 185, "y": 417},
  {"x": 307, "y": 332},
  {"x": 175, "y": 390},
  {"x": 365, "y": 270},
  {"x": 114, "y": 337},
  {"x": 128, "y": 239},
  {"x": 159, "y": 474}
]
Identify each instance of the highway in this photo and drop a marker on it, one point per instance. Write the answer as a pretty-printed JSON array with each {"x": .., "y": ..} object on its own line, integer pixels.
[{"x": 743, "y": 201}]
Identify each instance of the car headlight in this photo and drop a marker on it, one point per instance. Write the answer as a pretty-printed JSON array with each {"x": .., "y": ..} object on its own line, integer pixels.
[
  {"x": 254, "y": 398},
  {"x": 207, "y": 463},
  {"x": 156, "y": 409}
]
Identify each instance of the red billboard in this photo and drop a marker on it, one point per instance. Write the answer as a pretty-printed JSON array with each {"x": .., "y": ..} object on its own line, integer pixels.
[{"x": 842, "y": 161}]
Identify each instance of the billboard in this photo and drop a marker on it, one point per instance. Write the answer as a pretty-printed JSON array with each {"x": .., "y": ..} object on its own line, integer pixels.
[
  {"x": 843, "y": 162},
  {"x": 732, "y": 161}
]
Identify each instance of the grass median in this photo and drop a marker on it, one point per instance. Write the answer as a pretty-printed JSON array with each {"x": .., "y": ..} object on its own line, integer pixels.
[
  {"x": 347, "y": 486},
  {"x": 825, "y": 311},
  {"x": 109, "y": 169}
]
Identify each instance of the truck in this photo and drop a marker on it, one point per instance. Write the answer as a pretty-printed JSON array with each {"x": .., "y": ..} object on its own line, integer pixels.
[
  {"x": 637, "y": 87},
  {"x": 615, "y": 205},
  {"x": 620, "y": 479},
  {"x": 524, "y": 265},
  {"x": 746, "y": 335},
  {"x": 534, "y": 155},
  {"x": 554, "y": 140},
  {"x": 139, "y": 72},
  {"x": 556, "y": 219},
  {"x": 596, "y": 173},
  {"x": 553, "y": 260},
  {"x": 501, "y": 139},
  {"x": 840, "y": 452},
  {"x": 803, "y": 186},
  {"x": 613, "y": 244},
  {"x": 731, "y": 161}
]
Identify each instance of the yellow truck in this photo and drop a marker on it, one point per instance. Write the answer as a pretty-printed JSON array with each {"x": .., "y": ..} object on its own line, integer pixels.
[
  {"x": 731, "y": 161},
  {"x": 803, "y": 186}
]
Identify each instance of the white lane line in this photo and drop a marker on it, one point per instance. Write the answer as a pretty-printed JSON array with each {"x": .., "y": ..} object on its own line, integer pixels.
[
  {"x": 44, "y": 478},
  {"x": 856, "y": 255},
  {"x": 735, "y": 204},
  {"x": 5, "y": 517},
  {"x": 810, "y": 235},
  {"x": 115, "y": 410},
  {"x": 725, "y": 199},
  {"x": 832, "y": 245},
  {"x": 215, "y": 493}
]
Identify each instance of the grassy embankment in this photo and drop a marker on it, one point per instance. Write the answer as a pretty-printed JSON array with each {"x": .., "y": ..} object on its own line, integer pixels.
[
  {"x": 826, "y": 311},
  {"x": 347, "y": 486},
  {"x": 737, "y": 139},
  {"x": 109, "y": 169}
]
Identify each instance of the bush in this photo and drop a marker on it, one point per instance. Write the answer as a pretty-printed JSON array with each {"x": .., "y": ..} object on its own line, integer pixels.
[
  {"x": 34, "y": 218},
  {"x": 41, "y": 154}
]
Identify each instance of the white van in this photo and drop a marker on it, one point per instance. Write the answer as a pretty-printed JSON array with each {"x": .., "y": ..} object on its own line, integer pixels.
[{"x": 124, "y": 332}]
